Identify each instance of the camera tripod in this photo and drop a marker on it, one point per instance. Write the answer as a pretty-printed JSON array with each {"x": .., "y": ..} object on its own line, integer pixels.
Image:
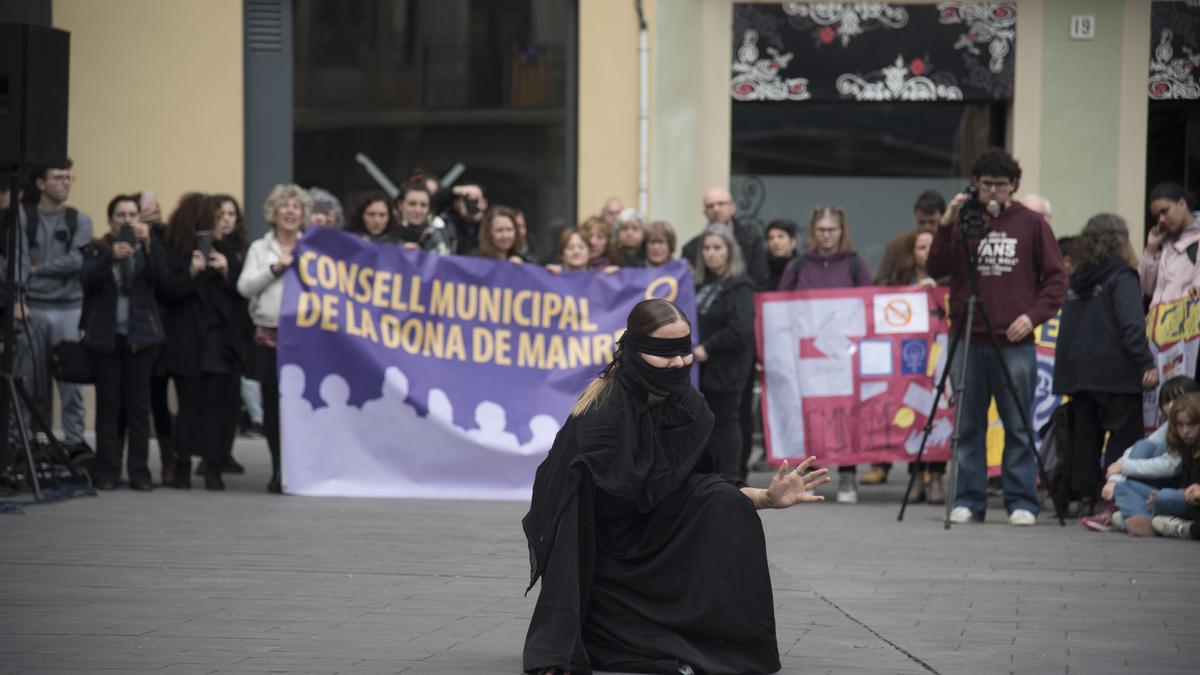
[
  {"x": 15, "y": 401},
  {"x": 962, "y": 337}
]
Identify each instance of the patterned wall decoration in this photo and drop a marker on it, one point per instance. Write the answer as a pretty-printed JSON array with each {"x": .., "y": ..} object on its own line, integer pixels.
[
  {"x": 873, "y": 51},
  {"x": 1175, "y": 51}
]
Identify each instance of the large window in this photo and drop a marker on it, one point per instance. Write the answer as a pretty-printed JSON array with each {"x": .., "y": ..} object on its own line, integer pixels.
[
  {"x": 428, "y": 83},
  {"x": 863, "y": 139},
  {"x": 871, "y": 158}
]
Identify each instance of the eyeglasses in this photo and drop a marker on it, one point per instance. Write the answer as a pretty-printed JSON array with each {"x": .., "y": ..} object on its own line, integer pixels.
[
  {"x": 714, "y": 205},
  {"x": 994, "y": 184},
  {"x": 61, "y": 177}
]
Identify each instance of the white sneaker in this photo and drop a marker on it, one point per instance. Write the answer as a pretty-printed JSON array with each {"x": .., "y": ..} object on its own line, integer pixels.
[
  {"x": 1172, "y": 526},
  {"x": 847, "y": 488},
  {"x": 961, "y": 515},
  {"x": 1022, "y": 518}
]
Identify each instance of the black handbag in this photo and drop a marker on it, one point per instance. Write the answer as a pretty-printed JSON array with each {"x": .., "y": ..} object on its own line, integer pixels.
[{"x": 70, "y": 362}]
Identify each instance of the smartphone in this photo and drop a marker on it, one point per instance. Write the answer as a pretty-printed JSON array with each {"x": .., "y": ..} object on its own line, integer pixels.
[
  {"x": 126, "y": 235},
  {"x": 204, "y": 242}
]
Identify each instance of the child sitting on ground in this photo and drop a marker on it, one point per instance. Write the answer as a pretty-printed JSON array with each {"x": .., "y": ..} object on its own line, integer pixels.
[
  {"x": 1183, "y": 439},
  {"x": 1177, "y": 512},
  {"x": 1148, "y": 464}
]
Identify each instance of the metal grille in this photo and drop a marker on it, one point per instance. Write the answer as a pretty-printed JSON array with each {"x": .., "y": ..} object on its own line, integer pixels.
[{"x": 264, "y": 25}]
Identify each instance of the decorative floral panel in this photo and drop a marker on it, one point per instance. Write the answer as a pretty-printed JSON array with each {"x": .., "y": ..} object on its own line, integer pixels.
[
  {"x": 873, "y": 51},
  {"x": 1174, "y": 51}
]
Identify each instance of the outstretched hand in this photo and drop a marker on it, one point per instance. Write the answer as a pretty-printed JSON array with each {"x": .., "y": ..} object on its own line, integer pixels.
[{"x": 791, "y": 486}]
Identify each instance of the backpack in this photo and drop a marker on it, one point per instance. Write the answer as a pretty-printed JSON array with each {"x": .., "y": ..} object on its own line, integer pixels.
[
  {"x": 1054, "y": 447},
  {"x": 31, "y": 225},
  {"x": 855, "y": 266}
]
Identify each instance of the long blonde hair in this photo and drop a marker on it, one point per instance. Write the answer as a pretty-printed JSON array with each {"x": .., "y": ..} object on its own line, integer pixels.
[{"x": 646, "y": 317}]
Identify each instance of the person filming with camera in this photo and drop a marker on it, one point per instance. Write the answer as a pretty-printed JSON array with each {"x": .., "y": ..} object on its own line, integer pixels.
[
  {"x": 1021, "y": 283},
  {"x": 122, "y": 331}
]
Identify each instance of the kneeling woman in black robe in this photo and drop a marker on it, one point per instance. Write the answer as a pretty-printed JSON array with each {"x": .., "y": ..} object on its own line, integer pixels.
[{"x": 650, "y": 560}]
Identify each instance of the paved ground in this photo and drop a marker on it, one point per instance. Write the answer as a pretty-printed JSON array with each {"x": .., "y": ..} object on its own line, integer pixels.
[{"x": 243, "y": 582}]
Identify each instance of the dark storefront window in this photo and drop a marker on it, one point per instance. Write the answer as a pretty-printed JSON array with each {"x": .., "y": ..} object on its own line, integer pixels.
[
  {"x": 428, "y": 83},
  {"x": 863, "y": 139}
]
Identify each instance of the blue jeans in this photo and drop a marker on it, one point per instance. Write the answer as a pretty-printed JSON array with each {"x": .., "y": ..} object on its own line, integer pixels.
[
  {"x": 1144, "y": 449},
  {"x": 984, "y": 379},
  {"x": 1130, "y": 498},
  {"x": 252, "y": 399},
  {"x": 1170, "y": 502},
  {"x": 1130, "y": 495}
]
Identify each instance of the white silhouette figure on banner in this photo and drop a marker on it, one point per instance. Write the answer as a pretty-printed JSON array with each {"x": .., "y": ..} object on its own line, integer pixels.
[
  {"x": 385, "y": 448},
  {"x": 440, "y": 408},
  {"x": 543, "y": 429},
  {"x": 492, "y": 421}
]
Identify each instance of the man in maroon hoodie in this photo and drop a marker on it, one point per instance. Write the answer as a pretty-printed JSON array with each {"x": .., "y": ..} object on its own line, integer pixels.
[{"x": 1022, "y": 282}]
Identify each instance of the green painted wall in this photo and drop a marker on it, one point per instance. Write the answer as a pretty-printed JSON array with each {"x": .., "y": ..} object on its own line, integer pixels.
[
  {"x": 1079, "y": 112},
  {"x": 674, "y": 170}
]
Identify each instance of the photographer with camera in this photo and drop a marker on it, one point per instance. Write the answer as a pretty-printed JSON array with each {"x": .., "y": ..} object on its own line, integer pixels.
[
  {"x": 1020, "y": 279},
  {"x": 122, "y": 332},
  {"x": 461, "y": 208}
]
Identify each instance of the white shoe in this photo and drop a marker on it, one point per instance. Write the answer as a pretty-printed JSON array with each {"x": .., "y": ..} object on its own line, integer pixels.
[
  {"x": 847, "y": 488},
  {"x": 1022, "y": 518},
  {"x": 1172, "y": 526},
  {"x": 961, "y": 515}
]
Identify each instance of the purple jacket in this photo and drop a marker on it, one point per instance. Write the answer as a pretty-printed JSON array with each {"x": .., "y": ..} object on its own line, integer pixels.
[{"x": 814, "y": 271}]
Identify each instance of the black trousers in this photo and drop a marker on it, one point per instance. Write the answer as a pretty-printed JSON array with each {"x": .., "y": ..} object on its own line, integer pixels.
[
  {"x": 159, "y": 407},
  {"x": 267, "y": 374},
  {"x": 123, "y": 394},
  {"x": 208, "y": 408},
  {"x": 1092, "y": 415},
  {"x": 725, "y": 443},
  {"x": 746, "y": 414}
]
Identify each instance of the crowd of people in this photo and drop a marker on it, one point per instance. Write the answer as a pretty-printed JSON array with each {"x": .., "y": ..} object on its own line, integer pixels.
[{"x": 190, "y": 300}]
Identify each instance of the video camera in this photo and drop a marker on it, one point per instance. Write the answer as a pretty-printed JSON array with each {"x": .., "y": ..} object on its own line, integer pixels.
[{"x": 973, "y": 216}]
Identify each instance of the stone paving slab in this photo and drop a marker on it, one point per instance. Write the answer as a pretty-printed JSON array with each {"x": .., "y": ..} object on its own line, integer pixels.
[{"x": 244, "y": 582}]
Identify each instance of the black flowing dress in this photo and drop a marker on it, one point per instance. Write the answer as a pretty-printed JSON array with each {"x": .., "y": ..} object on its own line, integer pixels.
[{"x": 650, "y": 561}]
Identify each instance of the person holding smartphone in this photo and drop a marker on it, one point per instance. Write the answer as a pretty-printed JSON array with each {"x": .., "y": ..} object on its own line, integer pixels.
[
  {"x": 122, "y": 331},
  {"x": 1168, "y": 268},
  {"x": 228, "y": 237},
  {"x": 160, "y": 409},
  {"x": 205, "y": 349}
]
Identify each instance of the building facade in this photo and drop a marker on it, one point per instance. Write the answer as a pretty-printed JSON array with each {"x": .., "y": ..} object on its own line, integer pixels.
[{"x": 541, "y": 101}]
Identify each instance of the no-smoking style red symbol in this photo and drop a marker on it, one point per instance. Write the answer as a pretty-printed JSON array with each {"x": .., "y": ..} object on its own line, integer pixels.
[{"x": 897, "y": 313}]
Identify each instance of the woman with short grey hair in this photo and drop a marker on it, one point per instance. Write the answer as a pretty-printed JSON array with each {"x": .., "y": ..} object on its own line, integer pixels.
[
  {"x": 725, "y": 319},
  {"x": 631, "y": 238},
  {"x": 287, "y": 210}
]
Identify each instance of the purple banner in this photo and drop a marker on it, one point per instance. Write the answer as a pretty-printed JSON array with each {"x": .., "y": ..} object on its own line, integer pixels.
[{"x": 405, "y": 374}]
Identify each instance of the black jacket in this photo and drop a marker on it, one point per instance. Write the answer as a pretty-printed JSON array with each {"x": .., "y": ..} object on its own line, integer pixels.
[
  {"x": 754, "y": 252},
  {"x": 725, "y": 313},
  {"x": 202, "y": 314},
  {"x": 98, "y": 321},
  {"x": 1102, "y": 343}
]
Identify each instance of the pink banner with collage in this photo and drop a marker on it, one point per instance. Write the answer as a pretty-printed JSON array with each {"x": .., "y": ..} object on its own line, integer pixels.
[{"x": 849, "y": 374}]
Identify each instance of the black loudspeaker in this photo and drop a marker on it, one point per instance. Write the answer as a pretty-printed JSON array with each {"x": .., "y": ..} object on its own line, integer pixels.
[{"x": 34, "y": 71}]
